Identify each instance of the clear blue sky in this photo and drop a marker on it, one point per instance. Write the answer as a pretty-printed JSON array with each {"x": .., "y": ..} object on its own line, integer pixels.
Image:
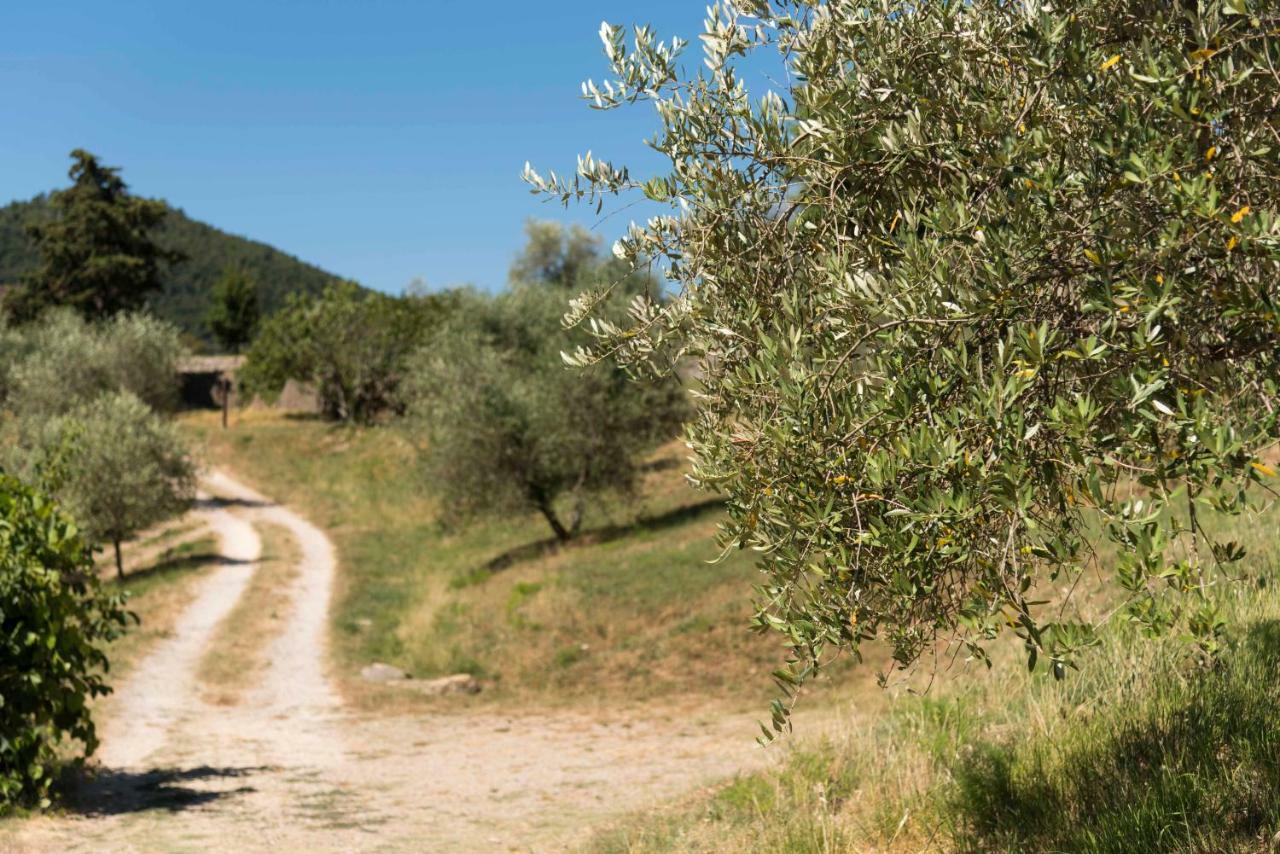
[{"x": 380, "y": 139}]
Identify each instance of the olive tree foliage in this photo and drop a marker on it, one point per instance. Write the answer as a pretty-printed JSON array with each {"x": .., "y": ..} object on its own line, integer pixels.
[
  {"x": 115, "y": 465},
  {"x": 982, "y": 276},
  {"x": 61, "y": 361},
  {"x": 508, "y": 428},
  {"x": 55, "y": 620},
  {"x": 350, "y": 343}
]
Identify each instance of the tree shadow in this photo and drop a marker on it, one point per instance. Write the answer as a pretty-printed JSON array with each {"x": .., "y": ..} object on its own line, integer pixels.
[
  {"x": 177, "y": 564},
  {"x": 1192, "y": 764},
  {"x": 219, "y": 503},
  {"x": 597, "y": 536},
  {"x": 98, "y": 792}
]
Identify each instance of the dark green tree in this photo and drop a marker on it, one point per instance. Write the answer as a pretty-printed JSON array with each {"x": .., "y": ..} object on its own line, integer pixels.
[
  {"x": 234, "y": 315},
  {"x": 97, "y": 254}
]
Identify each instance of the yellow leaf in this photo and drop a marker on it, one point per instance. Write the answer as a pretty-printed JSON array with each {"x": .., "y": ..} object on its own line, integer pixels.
[
  {"x": 1030, "y": 184},
  {"x": 1026, "y": 373},
  {"x": 894, "y": 224},
  {"x": 1240, "y": 214},
  {"x": 1109, "y": 63},
  {"x": 1264, "y": 469},
  {"x": 1092, "y": 256},
  {"x": 1203, "y": 54},
  {"x": 1159, "y": 279},
  {"x": 1232, "y": 243},
  {"x": 1209, "y": 155},
  {"x": 840, "y": 478}
]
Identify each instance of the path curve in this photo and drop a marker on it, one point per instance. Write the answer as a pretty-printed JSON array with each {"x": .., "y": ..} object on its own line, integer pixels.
[
  {"x": 289, "y": 768},
  {"x": 161, "y": 693}
]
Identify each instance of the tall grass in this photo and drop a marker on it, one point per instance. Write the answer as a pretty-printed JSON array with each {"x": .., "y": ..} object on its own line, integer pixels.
[{"x": 1142, "y": 749}]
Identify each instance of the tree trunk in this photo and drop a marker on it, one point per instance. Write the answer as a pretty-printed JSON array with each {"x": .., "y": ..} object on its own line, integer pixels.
[
  {"x": 119, "y": 560},
  {"x": 563, "y": 534},
  {"x": 575, "y": 521}
]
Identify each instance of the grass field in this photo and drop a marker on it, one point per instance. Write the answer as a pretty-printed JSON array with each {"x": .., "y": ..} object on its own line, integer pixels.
[
  {"x": 634, "y": 611},
  {"x": 1142, "y": 749}
]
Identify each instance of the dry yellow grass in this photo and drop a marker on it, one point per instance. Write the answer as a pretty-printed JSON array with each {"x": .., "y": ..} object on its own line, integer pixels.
[{"x": 237, "y": 651}]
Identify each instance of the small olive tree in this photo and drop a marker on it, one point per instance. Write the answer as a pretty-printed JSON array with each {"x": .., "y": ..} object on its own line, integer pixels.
[
  {"x": 980, "y": 276},
  {"x": 115, "y": 465},
  {"x": 55, "y": 620},
  {"x": 509, "y": 428}
]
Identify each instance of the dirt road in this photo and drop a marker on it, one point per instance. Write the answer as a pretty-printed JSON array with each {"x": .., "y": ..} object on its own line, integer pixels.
[{"x": 289, "y": 768}]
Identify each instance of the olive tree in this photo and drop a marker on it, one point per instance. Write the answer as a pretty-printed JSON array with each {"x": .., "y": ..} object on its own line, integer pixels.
[
  {"x": 509, "y": 428},
  {"x": 55, "y": 620},
  {"x": 115, "y": 465},
  {"x": 975, "y": 278}
]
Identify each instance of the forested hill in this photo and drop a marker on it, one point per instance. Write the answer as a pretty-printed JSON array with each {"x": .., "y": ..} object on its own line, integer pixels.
[{"x": 187, "y": 286}]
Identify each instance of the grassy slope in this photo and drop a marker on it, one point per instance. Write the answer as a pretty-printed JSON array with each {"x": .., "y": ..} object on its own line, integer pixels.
[
  {"x": 1141, "y": 750},
  {"x": 634, "y": 612}
]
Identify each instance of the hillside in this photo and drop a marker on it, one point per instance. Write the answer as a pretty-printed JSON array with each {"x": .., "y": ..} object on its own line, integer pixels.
[{"x": 209, "y": 251}]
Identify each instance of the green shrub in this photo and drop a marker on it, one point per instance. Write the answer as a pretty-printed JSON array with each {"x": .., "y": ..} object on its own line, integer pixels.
[{"x": 54, "y": 621}]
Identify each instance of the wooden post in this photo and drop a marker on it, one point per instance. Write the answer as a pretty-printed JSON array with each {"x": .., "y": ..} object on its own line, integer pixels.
[{"x": 226, "y": 399}]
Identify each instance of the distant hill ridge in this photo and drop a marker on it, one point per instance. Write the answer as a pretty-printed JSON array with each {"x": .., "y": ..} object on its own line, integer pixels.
[{"x": 187, "y": 286}]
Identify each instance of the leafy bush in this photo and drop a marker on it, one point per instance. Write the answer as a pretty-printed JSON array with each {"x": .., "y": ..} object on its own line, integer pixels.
[
  {"x": 983, "y": 276},
  {"x": 54, "y": 621},
  {"x": 351, "y": 344}
]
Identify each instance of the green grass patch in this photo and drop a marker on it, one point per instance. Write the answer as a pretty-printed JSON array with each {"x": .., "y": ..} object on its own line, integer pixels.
[{"x": 497, "y": 598}]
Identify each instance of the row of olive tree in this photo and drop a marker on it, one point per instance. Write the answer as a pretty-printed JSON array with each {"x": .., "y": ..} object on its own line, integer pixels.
[
  {"x": 504, "y": 423},
  {"x": 82, "y": 409}
]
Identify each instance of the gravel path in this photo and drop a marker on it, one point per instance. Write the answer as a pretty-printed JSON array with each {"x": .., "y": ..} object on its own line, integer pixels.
[{"x": 291, "y": 769}]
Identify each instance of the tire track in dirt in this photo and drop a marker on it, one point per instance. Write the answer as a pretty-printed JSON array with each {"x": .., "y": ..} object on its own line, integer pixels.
[
  {"x": 161, "y": 692},
  {"x": 290, "y": 768}
]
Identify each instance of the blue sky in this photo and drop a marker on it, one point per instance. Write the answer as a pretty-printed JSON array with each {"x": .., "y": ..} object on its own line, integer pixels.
[{"x": 380, "y": 139}]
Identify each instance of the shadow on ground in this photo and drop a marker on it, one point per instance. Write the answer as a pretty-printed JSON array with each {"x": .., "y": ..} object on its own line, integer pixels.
[
  {"x": 596, "y": 536},
  {"x": 180, "y": 563},
  {"x": 105, "y": 791},
  {"x": 219, "y": 503},
  {"x": 1192, "y": 763}
]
